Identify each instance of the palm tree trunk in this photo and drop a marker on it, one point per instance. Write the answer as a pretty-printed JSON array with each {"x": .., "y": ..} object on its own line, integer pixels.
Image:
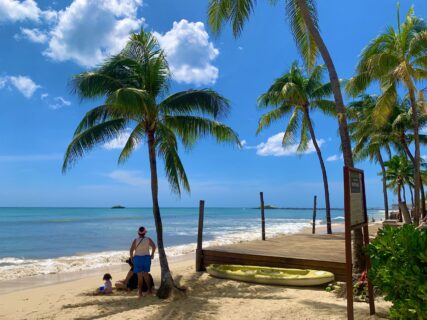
[
  {"x": 399, "y": 201},
  {"x": 322, "y": 166},
  {"x": 417, "y": 176},
  {"x": 359, "y": 258},
  {"x": 166, "y": 283},
  {"x": 404, "y": 193},
  {"x": 387, "y": 147},
  {"x": 412, "y": 195},
  {"x": 420, "y": 184},
  {"x": 381, "y": 162}
]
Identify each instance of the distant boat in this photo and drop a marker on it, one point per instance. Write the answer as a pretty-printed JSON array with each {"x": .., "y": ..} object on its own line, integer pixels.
[{"x": 117, "y": 207}]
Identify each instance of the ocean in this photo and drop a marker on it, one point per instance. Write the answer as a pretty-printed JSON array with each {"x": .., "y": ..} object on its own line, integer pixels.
[{"x": 40, "y": 241}]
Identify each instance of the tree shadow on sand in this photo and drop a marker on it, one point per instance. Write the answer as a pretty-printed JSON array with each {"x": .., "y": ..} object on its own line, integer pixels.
[{"x": 200, "y": 302}]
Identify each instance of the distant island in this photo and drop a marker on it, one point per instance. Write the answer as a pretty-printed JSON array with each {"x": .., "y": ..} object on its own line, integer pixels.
[
  {"x": 269, "y": 206},
  {"x": 117, "y": 207}
]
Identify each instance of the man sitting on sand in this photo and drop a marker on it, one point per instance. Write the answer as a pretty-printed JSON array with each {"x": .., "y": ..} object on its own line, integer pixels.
[
  {"x": 141, "y": 257},
  {"x": 131, "y": 281}
]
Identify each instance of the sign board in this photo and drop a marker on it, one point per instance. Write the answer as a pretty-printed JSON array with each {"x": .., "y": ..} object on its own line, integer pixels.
[
  {"x": 356, "y": 217},
  {"x": 358, "y": 214}
]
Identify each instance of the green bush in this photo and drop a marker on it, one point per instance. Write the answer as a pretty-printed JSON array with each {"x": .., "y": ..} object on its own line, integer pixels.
[{"x": 399, "y": 270}]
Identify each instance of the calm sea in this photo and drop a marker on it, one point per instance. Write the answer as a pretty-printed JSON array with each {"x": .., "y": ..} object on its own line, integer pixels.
[{"x": 35, "y": 241}]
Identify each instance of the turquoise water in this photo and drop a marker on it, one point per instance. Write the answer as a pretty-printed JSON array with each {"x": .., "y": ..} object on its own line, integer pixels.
[{"x": 49, "y": 240}]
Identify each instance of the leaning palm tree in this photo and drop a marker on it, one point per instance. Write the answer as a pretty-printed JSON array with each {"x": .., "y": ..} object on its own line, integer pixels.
[
  {"x": 396, "y": 57},
  {"x": 369, "y": 138},
  {"x": 302, "y": 16},
  {"x": 133, "y": 84},
  {"x": 298, "y": 94}
]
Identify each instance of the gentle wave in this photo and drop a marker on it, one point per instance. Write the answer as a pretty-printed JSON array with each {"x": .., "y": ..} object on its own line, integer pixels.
[{"x": 14, "y": 268}]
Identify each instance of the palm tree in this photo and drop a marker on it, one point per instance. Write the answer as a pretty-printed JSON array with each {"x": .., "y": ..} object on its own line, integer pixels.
[
  {"x": 298, "y": 94},
  {"x": 400, "y": 172},
  {"x": 302, "y": 16},
  {"x": 369, "y": 139},
  {"x": 392, "y": 58},
  {"x": 133, "y": 84}
]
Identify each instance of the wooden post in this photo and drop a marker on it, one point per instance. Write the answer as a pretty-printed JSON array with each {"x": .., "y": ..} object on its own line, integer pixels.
[
  {"x": 199, "y": 250},
  {"x": 348, "y": 253},
  {"x": 314, "y": 215},
  {"x": 261, "y": 195}
]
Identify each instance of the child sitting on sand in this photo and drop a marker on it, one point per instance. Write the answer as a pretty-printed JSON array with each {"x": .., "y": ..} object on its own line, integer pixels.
[{"x": 107, "y": 288}]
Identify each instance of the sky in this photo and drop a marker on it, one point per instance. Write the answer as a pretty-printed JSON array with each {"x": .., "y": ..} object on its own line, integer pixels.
[{"x": 45, "y": 43}]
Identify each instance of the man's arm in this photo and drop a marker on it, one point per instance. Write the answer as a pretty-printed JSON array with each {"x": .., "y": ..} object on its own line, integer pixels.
[
  {"x": 132, "y": 249},
  {"x": 153, "y": 247}
]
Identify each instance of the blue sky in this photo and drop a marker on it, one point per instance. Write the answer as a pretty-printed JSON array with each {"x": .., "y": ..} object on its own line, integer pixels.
[{"x": 45, "y": 43}]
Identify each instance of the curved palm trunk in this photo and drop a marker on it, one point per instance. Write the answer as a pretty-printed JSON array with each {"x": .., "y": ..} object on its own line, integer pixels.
[
  {"x": 322, "y": 166},
  {"x": 381, "y": 162},
  {"x": 420, "y": 182},
  {"x": 404, "y": 193},
  {"x": 359, "y": 258},
  {"x": 167, "y": 283},
  {"x": 417, "y": 176}
]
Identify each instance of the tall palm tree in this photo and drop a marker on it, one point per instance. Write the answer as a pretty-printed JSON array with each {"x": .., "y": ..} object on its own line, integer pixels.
[
  {"x": 302, "y": 16},
  {"x": 298, "y": 94},
  {"x": 133, "y": 84},
  {"x": 400, "y": 172},
  {"x": 369, "y": 139},
  {"x": 392, "y": 58}
]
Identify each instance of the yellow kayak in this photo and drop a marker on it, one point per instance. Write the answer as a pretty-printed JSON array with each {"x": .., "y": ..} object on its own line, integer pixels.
[{"x": 267, "y": 275}]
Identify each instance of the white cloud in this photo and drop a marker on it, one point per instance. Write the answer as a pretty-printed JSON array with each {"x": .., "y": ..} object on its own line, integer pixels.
[
  {"x": 31, "y": 157},
  {"x": 119, "y": 142},
  {"x": 34, "y": 35},
  {"x": 58, "y": 103},
  {"x": 13, "y": 10},
  {"x": 334, "y": 157},
  {"x": 273, "y": 147},
  {"x": 89, "y": 31},
  {"x": 189, "y": 53},
  {"x": 23, "y": 84},
  {"x": 243, "y": 143},
  {"x": 132, "y": 178}
]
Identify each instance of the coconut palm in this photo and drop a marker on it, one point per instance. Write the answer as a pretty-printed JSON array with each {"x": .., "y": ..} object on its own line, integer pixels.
[
  {"x": 134, "y": 82},
  {"x": 392, "y": 58},
  {"x": 298, "y": 94},
  {"x": 302, "y": 16},
  {"x": 400, "y": 172},
  {"x": 369, "y": 139}
]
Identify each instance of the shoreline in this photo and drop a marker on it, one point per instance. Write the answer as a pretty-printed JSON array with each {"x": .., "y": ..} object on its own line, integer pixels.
[
  {"x": 206, "y": 298},
  {"x": 38, "y": 281}
]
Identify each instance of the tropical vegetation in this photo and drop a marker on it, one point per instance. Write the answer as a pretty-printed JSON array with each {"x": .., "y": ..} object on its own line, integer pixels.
[
  {"x": 297, "y": 94},
  {"x": 134, "y": 84},
  {"x": 399, "y": 261}
]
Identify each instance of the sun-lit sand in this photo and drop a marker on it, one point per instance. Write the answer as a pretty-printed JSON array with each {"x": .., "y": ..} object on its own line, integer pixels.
[{"x": 207, "y": 298}]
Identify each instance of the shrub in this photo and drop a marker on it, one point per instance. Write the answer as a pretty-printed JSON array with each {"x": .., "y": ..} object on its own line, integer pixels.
[{"x": 399, "y": 270}]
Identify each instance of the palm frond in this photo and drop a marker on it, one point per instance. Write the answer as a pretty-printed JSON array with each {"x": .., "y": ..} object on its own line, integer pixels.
[
  {"x": 86, "y": 140},
  {"x": 167, "y": 147},
  {"x": 192, "y": 128},
  {"x": 204, "y": 102}
]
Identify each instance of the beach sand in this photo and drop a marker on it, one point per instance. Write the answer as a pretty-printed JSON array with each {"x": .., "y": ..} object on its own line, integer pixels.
[{"x": 207, "y": 298}]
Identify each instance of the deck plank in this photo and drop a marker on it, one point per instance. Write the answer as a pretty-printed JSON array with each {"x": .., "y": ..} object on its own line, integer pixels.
[{"x": 323, "y": 252}]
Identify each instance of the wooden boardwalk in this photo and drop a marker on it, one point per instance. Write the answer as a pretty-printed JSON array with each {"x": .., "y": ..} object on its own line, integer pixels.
[{"x": 301, "y": 251}]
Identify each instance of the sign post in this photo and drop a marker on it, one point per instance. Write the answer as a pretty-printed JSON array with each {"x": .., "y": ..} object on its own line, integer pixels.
[{"x": 356, "y": 217}]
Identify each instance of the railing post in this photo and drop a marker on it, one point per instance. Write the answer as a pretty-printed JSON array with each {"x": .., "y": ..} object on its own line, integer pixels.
[
  {"x": 199, "y": 250},
  {"x": 261, "y": 195},
  {"x": 314, "y": 215}
]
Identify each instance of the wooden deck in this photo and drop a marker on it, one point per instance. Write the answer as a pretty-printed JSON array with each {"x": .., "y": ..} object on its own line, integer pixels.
[{"x": 302, "y": 251}]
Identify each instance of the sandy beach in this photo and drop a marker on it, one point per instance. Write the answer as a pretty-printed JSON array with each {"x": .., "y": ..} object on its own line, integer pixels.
[{"x": 207, "y": 298}]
